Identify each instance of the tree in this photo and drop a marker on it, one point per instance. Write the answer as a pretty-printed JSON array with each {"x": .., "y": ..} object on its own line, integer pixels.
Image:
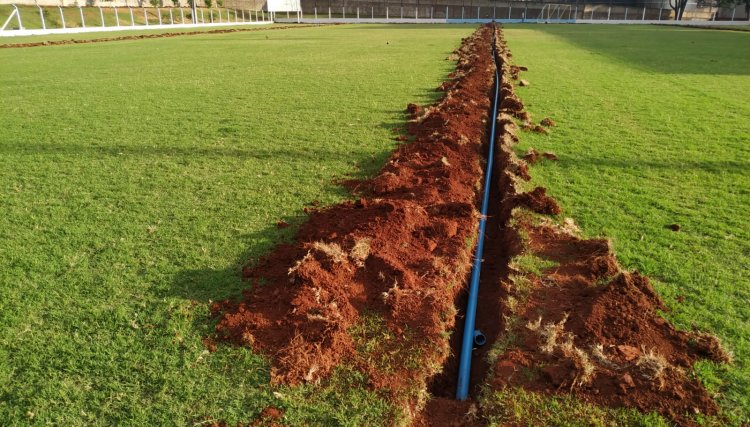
[
  {"x": 219, "y": 3},
  {"x": 734, "y": 3},
  {"x": 679, "y": 7},
  {"x": 208, "y": 3}
]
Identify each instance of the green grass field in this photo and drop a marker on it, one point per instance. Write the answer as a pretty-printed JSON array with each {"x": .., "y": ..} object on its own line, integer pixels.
[
  {"x": 137, "y": 176},
  {"x": 652, "y": 130}
]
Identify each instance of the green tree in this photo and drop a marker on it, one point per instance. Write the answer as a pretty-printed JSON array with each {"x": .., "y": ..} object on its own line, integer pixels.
[
  {"x": 734, "y": 3},
  {"x": 679, "y": 7},
  {"x": 219, "y": 3},
  {"x": 208, "y": 3}
]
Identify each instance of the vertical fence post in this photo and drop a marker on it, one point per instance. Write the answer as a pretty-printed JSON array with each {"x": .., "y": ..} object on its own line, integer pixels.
[
  {"x": 182, "y": 16},
  {"x": 733, "y": 12},
  {"x": 477, "y": 13},
  {"x": 316, "y": 14},
  {"x": 117, "y": 15},
  {"x": 158, "y": 13},
  {"x": 609, "y": 12},
  {"x": 494, "y": 12},
  {"x": 83, "y": 21},
  {"x": 416, "y": 13},
  {"x": 446, "y": 13},
  {"x": 62, "y": 16},
  {"x": 660, "y": 10},
  {"x": 243, "y": 15},
  {"x": 510, "y": 9},
  {"x": 17, "y": 14},
  {"x": 171, "y": 16},
  {"x": 372, "y": 12},
  {"x": 462, "y": 13},
  {"x": 41, "y": 17},
  {"x": 626, "y": 13},
  {"x": 575, "y": 14},
  {"x": 132, "y": 18},
  {"x": 386, "y": 13},
  {"x": 101, "y": 15},
  {"x": 358, "y": 15},
  {"x": 343, "y": 12},
  {"x": 203, "y": 17},
  {"x": 145, "y": 16},
  {"x": 329, "y": 13},
  {"x": 402, "y": 12},
  {"x": 432, "y": 12},
  {"x": 643, "y": 18}
]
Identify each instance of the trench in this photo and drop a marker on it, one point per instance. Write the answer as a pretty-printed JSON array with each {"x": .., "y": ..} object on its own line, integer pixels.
[{"x": 494, "y": 269}]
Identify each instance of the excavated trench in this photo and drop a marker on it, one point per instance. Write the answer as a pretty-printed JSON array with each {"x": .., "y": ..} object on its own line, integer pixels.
[{"x": 378, "y": 285}]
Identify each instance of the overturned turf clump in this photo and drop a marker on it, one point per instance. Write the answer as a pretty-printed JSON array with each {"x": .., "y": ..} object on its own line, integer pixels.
[
  {"x": 389, "y": 265},
  {"x": 583, "y": 326}
]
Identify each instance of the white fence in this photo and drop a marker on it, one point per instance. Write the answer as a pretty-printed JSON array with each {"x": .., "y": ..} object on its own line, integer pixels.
[
  {"x": 35, "y": 20},
  {"x": 39, "y": 20},
  {"x": 526, "y": 11}
]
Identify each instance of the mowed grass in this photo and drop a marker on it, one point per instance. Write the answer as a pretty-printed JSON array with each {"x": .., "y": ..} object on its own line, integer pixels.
[
  {"x": 653, "y": 130},
  {"x": 136, "y": 177}
]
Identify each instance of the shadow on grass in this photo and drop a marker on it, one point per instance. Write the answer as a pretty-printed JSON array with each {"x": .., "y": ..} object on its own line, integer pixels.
[
  {"x": 210, "y": 284},
  {"x": 709, "y": 166},
  {"x": 207, "y": 285},
  {"x": 662, "y": 49}
]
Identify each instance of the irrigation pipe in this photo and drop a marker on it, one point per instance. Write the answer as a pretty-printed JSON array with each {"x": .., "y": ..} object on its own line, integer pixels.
[{"x": 470, "y": 333}]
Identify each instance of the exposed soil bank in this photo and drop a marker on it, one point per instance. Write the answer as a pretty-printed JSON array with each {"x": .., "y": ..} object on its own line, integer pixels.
[
  {"x": 146, "y": 36},
  {"x": 583, "y": 326},
  {"x": 372, "y": 283}
]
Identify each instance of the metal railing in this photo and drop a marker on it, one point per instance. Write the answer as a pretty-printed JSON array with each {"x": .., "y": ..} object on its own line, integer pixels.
[
  {"x": 50, "y": 20},
  {"x": 515, "y": 11}
]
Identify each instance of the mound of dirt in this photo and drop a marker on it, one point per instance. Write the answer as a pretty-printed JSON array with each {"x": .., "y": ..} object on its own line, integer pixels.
[
  {"x": 373, "y": 283},
  {"x": 400, "y": 254},
  {"x": 532, "y": 156},
  {"x": 597, "y": 333},
  {"x": 587, "y": 328}
]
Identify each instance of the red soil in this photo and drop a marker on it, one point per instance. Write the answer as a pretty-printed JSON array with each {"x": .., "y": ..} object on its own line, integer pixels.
[
  {"x": 641, "y": 362},
  {"x": 590, "y": 329},
  {"x": 532, "y": 156},
  {"x": 401, "y": 254}
]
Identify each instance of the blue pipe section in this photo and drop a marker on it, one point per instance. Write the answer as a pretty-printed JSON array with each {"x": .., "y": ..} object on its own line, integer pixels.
[{"x": 467, "y": 344}]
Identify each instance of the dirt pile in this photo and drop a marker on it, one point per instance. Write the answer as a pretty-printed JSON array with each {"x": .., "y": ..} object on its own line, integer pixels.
[
  {"x": 374, "y": 283},
  {"x": 388, "y": 265},
  {"x": 584, "y": 326}
]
